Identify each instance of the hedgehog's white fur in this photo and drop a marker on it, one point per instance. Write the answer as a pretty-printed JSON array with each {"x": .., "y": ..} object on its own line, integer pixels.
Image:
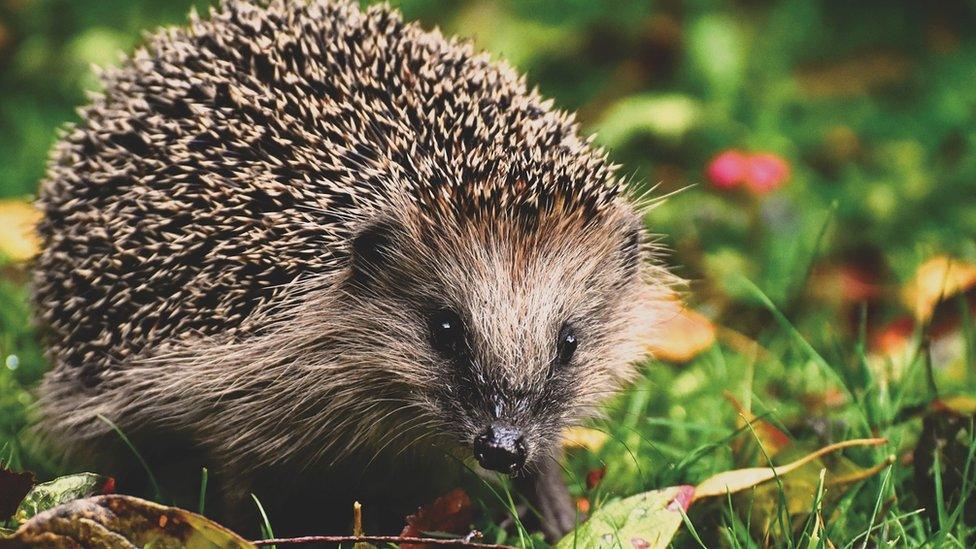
[{"x": 198, "y": 243}]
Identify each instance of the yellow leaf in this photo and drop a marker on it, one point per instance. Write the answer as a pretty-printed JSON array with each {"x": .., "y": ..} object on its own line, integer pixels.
[
  {"x": 742, "y": 479},
  {"x": 584, "y": 437},
  {"x": 18, "y": 241},
  {"x": 682, "y": 335},
  {"x": 935, "y": 281},
  {"x": 960, "y": 404}
]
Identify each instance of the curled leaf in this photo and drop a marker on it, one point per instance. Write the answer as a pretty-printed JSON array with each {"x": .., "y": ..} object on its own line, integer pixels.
[
  {"x": 451, "y": 513},
  {"x": 121, "y": 521},
  {"x": 742, "y": 479}
]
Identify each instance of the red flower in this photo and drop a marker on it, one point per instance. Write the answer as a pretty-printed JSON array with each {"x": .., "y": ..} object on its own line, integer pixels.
[
  {"x": 766, "y": 172},
  {"x": 728, "y": 169},
  {"x": 759, "y": 173}
]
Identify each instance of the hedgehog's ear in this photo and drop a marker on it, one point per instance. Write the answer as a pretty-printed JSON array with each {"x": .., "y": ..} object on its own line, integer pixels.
[{"x": 371, "y": 251}]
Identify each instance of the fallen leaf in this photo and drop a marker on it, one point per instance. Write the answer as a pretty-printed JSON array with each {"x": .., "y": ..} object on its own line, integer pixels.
[
  {"x": 762, "y": 506},
  {"x": 768, "y": 435},
  {"x": 682, "y": 335},
  {"x": 651, "y": 519},
  {"x": 646, "y": 521},
  {"x": 18, "y": 241},
  {"x": 960, "y": 404},
  {"x": 121, "y": 521},
  {"x": 451, "y": 513},
  {"x": 584, "y": 437},
  {"x": 937, "y": 280},
  {"x": 741, "y": 479},
  {"x": 49, "y": 495},
  {"x": 860, "y": 474},
  {"x": 13, "y": 488}
]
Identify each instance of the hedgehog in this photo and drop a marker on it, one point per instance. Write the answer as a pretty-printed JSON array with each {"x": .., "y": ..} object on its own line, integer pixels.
[{"x": 331, "y": 255}]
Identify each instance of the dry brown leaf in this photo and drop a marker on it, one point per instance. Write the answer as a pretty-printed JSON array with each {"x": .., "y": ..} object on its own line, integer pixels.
[{"x": 450, "y": 513}]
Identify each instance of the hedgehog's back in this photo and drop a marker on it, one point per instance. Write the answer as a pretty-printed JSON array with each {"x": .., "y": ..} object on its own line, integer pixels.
[{"x": 232, "y": 160}]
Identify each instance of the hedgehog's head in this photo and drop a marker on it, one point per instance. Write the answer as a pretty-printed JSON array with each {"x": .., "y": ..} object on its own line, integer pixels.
[{"x": 505, "y": 330}]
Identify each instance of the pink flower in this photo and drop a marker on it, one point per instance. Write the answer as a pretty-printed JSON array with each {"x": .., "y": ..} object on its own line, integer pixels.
[
  {"x": 728, "y": 169},
  {"x": 766, "y": 172},
  {"x": 759, "y": 173}
]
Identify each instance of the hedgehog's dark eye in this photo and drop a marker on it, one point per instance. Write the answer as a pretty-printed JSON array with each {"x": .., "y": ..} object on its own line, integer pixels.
[
  {"x": 566, "y": 345},
  {"x": 446, "y": 333}
]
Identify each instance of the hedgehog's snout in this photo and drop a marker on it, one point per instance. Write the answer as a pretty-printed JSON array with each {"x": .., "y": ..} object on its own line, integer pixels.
[{"x": 501, "y": 447}]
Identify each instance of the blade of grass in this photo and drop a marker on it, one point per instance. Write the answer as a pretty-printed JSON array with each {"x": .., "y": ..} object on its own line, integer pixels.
[
  {"x": 522, "y": 532},
  {"x": 782, "y": 507},
  {"x": 203, "y": 491},
  {"x": 877, "y": 508},
  {"x": 804, "y": 344},
  {"x": 813, "y": 519},
  {"x": 691, "y": 527},
  {"x": 940, "y": 509},
  {"x": 968, "y": 482},
  {"x": 732, "y": 529},
  {"x": 266, "y": 530},
  {"x": 505, "y": 501},
  {"x": 801, "y": 283}
]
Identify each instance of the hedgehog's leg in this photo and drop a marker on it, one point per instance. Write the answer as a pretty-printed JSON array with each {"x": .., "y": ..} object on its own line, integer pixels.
[
  {"x": 548, "y": 495},
  {"x": 234, "y": 506}
]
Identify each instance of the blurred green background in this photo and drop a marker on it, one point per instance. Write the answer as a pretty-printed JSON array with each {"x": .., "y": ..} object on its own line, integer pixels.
[
  {"x": 870, "y": 102},
  {"x": 870, "y": 105}
]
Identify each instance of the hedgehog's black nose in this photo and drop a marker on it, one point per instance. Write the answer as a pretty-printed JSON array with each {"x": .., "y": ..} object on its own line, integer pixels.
[{"x": 500, "y": 448}]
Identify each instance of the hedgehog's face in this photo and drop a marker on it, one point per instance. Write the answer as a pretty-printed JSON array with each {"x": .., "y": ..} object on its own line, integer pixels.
[{"x": 510, "y": 335}]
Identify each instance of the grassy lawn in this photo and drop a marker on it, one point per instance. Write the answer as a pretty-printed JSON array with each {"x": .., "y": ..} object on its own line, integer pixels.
[{"x": 821, "y": 162}]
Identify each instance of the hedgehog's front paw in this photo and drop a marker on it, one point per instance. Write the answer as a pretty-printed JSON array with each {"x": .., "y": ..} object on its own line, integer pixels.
[{"x": 547, "y": 494}]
